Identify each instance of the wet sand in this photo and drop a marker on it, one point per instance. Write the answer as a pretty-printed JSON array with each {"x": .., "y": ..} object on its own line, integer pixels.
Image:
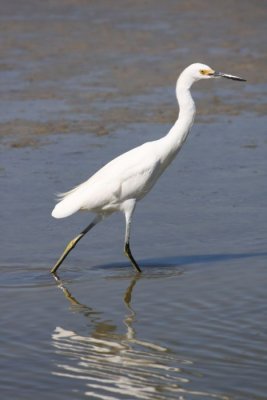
[{"x": 70, "y": 67}]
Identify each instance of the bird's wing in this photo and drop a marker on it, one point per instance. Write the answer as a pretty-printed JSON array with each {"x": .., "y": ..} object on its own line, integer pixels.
[{"x": 128, "y": 176}]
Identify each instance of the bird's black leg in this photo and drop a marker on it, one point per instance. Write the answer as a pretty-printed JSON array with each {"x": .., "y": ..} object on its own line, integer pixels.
[
  {"x": 73, "y": 243},
  {"x": 128, "y": 212},
  {"x": 128, "y": 253}
]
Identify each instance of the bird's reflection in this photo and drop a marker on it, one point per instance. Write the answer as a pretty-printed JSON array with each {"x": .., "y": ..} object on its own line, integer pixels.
[
  {"x": 110, "y": 365},
  {"x": 105, "y": 329}
]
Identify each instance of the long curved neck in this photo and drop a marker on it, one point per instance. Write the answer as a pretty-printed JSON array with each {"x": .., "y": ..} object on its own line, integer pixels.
[
  {"x": 180, "y": 130},
  {"x": 187, "y": 111},
  {"x": 186, "y": 103}
]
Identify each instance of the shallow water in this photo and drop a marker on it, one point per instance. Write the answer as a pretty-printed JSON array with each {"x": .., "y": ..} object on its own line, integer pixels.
[{"x": 193, "y": 325}]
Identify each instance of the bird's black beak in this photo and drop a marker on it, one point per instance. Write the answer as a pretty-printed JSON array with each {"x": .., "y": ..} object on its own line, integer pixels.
[{"x": 234, "y": 78}]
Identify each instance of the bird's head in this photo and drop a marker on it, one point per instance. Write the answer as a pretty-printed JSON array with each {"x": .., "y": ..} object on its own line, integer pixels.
[{"x": 199, "y": 71}]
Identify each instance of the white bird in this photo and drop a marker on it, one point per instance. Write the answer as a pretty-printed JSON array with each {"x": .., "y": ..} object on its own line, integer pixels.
[{"x": 129, "y": 177}]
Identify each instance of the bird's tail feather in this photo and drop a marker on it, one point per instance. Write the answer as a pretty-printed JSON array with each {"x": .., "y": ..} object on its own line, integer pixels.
[
  {"x": 65, "y": 208},
  {"x": 69, "y": 203}
]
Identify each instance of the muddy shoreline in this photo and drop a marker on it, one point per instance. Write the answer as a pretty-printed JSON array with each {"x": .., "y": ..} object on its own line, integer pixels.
[{"x": 71, "y": 67}]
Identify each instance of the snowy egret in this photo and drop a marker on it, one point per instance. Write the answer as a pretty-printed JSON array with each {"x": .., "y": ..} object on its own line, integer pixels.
[{"x": 129, "y": 177}]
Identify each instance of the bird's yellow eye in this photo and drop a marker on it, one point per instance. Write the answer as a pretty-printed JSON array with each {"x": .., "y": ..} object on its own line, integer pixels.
[{"x": 206, "y": 72}]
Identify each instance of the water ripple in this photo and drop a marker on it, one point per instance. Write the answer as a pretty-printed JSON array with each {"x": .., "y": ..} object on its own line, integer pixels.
[
  {"x": 129, "y": 368},
  {"x": 120, "y": 365}
]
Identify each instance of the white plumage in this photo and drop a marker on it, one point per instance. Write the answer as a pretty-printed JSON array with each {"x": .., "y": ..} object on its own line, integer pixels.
[{"x": 128, "y": 178}]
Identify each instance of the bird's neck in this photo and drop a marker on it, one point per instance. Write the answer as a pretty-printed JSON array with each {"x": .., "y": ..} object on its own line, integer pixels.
[
  {"x": 185, "y": 102},
  {"x": 180, "y": 130}
]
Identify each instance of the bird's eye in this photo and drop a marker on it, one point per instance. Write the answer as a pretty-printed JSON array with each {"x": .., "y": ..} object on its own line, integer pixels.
[{"x": 202, "y": 71}]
